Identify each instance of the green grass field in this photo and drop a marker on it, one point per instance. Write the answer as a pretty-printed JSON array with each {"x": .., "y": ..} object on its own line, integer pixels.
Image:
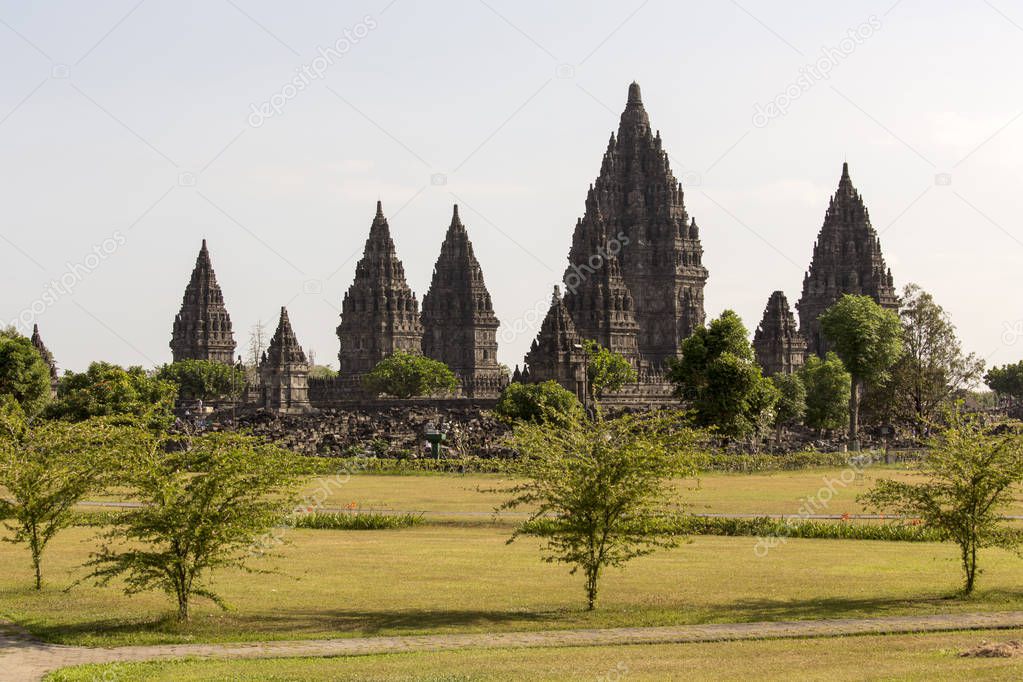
[
  {"x": 902, "y": 657},
  {"x": 435, "y": 579}
]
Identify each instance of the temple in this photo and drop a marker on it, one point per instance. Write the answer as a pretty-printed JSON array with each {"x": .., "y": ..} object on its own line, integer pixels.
[
  {"x": 557, "y": 352},
  {"x": 202, "y": 329},
  {"x": 284, "y": 372},
  {"x": 459, "y": 324},
  {"x": 777, "y": 343},
  {"x": 846, "y": 260},
  {"x": 379, "y": 313}
]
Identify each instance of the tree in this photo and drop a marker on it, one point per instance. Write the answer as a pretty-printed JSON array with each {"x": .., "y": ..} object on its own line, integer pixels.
[
  {"x": 406, "y": 375},
  {"x": 599, "y": 490},
  {"x": 204, "y": 380},
  {"x": 109, "y": 390},
  {"x": 321, "y": 372},
  {"x": 605, "y": 369},
  {"x": 791, "y": 405},
  {"x": 972, "y": 471},
  {"x": 1006, "y": 380},
  {"x": 933, "y": 367},
  {"x": 203, "y": 507},
  {"x": 23, "y": 372},
  {"x": 49, "y": 467},
  {"x": 720, "y": 379},
  {"x": 868, "y": 339},
  {"x": 827, "y": 392},
  {"x": 547, "y": 401}
]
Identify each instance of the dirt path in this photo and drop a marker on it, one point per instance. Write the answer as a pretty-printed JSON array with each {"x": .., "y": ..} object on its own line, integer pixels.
[{"x": 24, "y": 658}]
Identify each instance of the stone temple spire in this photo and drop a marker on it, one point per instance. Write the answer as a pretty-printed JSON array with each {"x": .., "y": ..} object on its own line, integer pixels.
[
  {"x": 284, "y": 372},
  {"x": 379, "y": 313},
  {"x": 847, "y": 259},
  {"x": 202, "y": 329},
  {"x": 556, "y": 353},
  {"x": 37, "y": 341},
  {"x": 779, "y": 347},
  {"x": 459, "y": 325},
  {"x": 637, "y": 202}
]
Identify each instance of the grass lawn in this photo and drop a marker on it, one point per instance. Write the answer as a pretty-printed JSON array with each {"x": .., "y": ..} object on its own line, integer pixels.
[
  {"x": 448, "y": 579},
  {"x": 780, "y": 492},
  {"x": 903, "y": 657}
]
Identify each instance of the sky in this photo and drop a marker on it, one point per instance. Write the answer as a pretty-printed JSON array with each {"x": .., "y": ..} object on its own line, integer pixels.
[{"x": 130, "y": 131}]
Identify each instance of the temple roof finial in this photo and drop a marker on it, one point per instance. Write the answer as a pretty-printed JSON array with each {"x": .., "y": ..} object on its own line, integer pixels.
[{"x": 635, "y": 97}]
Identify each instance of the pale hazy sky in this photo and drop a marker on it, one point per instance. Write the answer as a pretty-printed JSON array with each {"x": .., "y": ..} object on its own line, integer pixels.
[{"x": 127, "y": 134}]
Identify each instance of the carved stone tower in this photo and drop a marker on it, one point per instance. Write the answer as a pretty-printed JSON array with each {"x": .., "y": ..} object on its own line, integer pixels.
[
  {"x": 379, "y": 314},
  {"x": 556, "y": 352},
  {"x": 37, "y": 341},
  {"x": 284, "y": 372},
  {"x": 202, "y": 329},
  {"x": 846, "y": 260},
  {"x": 459, "y": 325},
  {"x": 637, "y": 202},
  {"x": 779, "y": 347}
]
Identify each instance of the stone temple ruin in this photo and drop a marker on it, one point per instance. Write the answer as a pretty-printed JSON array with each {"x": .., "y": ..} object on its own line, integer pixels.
[{"x": 634, "y": 283}]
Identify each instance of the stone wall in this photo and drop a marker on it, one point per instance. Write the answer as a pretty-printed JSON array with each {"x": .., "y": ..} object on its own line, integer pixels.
[{"x": 384, "y": 428}]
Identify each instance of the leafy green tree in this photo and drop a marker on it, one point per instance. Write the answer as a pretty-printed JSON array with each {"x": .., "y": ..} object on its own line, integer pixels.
[
  {"x": 544, "y": 402},
  {"x": 204, "y": 380},
  {"x": 932, "y": 370},
  {"x": 47, "y": 468},
  {"x": 203, "y": 507},
  {"x": 109, "y": 390},
  {"x": 868, "y": 339},
  {"x": 791, "y": 405},
  {"x": 1006, "y": 380},
  {"x": 406, "y": 375},
  {"x": 605, "y": 369},
  {"x": 23, "y": 372},
  {"x": 720, "y": 379},
  {"x": 972, "y": 473},
  {"x": 322, "y": 372},
  {"x": 600, "y": 490},
  {"x": 827, "y": 392}
]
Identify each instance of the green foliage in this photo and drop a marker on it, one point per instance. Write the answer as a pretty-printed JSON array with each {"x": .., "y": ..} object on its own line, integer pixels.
[
  {"x": 109, "y": 390},
  {"x": 606, "y": 370},
  {"x": 868, "y": 339},
  {"x": 932, "y": 370},
  {"x": 547, "y": 401},
  {"x": 47, "y": 468},
  {"x": 322, "y": 372},
  {"x": 204, "y": 379},
  {"x": 791, "y": 405},
  {"x": 357, "y": 521},
  {"x": 972, "y": 472},
  {"x": 205, "y": 506},
  {"x": 721, "y": 381},
  {"x": 406, "y": 375},
  {"x": 1006, "y": 380},
  {"x": 23, "y": 372},
  {"x": 602, "y": 487},
  {"x": 827, "y": 392}
]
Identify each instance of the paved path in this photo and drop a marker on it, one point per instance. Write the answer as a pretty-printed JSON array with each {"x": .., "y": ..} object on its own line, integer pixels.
[{"x": 23, "y": 658}]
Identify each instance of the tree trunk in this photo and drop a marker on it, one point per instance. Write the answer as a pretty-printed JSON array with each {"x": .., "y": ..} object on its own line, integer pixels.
[
  {"x": 36, "y": 557},
  {"x": 854, "y": 413},
  {"x": 592, "y": 573},
  {"x": 969, "y": 550}
]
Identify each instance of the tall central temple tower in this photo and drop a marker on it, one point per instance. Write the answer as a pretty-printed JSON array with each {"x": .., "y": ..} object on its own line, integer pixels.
[
  {"x": 635, "y": 278},
  {"x": 846, "y": 260},
  {"x": 379, "y": 314},
  {"x": 202, "y": 328}
]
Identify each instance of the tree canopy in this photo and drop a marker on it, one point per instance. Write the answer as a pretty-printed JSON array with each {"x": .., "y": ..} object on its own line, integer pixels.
[
  {"x": 407, "y": 375},
  {"x": 868, "y": 339},
  {"x": 1006, "y": 380},
  {"x": 827, "y": 392},
  {"x": 546, "y": 401},
  {"x": 719, "y": 378},
  {"x": 605, "y": 369},
  {"x": 109, "y": 390},
  {"x": 204, "y": 380},
  {"x": 24, "y": 373}
]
